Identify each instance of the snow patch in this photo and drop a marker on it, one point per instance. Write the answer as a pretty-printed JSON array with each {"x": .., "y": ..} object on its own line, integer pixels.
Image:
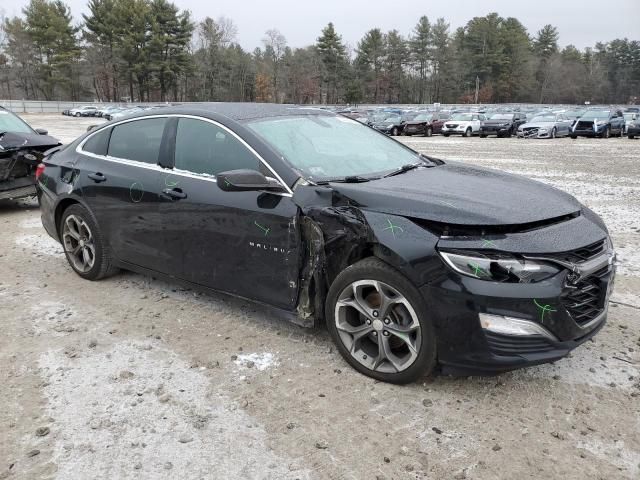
[
  {"x": 261, "y": 361},
  {"x": 41, "y": 244},
  {"x": 33, "y": 222},
  {"x": 136, "y": 412}
]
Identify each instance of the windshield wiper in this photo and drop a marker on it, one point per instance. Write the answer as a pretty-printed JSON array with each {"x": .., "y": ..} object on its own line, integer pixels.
[{"x": 403, "y": 169}]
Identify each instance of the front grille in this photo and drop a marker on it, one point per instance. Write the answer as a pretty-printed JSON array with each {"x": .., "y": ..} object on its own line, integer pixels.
[
  {"x": 586, "y": 299},
  {"x": 581, "y": 254},
  {"x": 507, "y": 345},
  {"x": 451, "y": 125},
  {"x": 583, "y": 125}
]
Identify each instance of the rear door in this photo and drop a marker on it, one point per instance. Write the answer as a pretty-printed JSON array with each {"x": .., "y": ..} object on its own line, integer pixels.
[
  {"x": 244, "y": 243},
  {"x": 120, "y": 178}
]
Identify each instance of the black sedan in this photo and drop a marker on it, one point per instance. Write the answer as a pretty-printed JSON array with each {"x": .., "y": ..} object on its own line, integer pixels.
[
  {"x": 502, "y": 124},
  {"x": 413, "y": 263}
]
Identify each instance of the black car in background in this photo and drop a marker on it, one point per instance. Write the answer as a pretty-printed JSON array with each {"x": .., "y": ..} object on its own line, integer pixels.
[
  {"x": 502, "y": 124},
  {"x": 411, "y": 261},
  {"x": 21, "y": 151},
  {"x": 391, "y": 124},
  {"x": 599, "y": 123}
]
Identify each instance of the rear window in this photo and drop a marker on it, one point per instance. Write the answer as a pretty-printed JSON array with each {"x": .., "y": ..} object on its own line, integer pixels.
[
  {"x": 98, "y": 142},
  {"x": 138, "y": 140}
]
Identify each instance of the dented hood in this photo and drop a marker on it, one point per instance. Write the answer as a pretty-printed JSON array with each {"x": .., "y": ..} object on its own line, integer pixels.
[
  {"x": 16, "y": 141},
  {"x": 458, "y": 194}
]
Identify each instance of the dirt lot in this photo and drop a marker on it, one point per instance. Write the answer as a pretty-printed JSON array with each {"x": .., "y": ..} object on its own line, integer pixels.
[{"x": 134, "y": 378}]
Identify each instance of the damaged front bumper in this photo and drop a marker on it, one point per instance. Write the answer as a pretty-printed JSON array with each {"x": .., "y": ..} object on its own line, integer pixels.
[{"x": 487, "y": 327}]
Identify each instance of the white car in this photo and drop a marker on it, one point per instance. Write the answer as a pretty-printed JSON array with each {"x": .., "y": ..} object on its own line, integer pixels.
[
  {"x": 84, "y": 111},
  {"x": 465, "y": 124}
]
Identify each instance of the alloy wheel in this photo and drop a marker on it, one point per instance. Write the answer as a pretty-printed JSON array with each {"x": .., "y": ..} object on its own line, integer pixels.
[
  {"x": 78, "y": 243},
  {"x": 378, "y": 326}
]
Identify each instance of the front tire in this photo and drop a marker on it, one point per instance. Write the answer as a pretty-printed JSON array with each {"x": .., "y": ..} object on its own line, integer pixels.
[
  {"x": 83, "y": 244},
  {"x": 428, "y": 132},
  {"x": 606, "y": 133},
  {"x": 468, "y": 132},
  {"x": 553, "y": 132},
  {"x": 394, "y": 132},
  {"x": 380, "y": 323}
]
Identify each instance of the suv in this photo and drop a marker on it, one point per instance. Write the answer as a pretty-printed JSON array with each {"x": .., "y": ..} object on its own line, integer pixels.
[
  {"x": 426, "y": 124},
  {"x": 599, "y": 123},
  {"x": 85, "y": 111},
  {"x": 465, "y": 124},
  {"x": 502, "y": 124}
]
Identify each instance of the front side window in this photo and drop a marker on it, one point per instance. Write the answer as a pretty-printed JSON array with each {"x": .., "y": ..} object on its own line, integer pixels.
[
  {"x": 203, "y": 147},
  {"x": 462, "y": 117},
  {"x": 137, "y": 140},
  {"x": 327, "y": 147}
]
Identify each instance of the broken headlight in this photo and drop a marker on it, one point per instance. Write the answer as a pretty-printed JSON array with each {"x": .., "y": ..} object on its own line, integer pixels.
[{"x": 503, "y": 268}]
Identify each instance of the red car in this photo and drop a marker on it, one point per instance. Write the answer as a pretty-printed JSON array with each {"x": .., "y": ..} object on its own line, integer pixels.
[{"x": 426, "y": 124}]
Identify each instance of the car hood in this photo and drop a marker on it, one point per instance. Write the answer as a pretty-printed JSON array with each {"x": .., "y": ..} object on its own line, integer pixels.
[
  {"x": 458, "y": 194},
  {"x": 18, "y": 140},
  {"x": 417, "y": 122},
  {"x": 458, "y": 122},
  {"x": 538, "y": 125},
  {"x": 496, "y": 122}
]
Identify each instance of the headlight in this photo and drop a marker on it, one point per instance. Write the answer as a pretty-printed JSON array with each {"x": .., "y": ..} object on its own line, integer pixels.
[
  {"x": 543, "y": 130},
  {"x": 390, "y": 125},
  {"x": 503, "y": 268}
]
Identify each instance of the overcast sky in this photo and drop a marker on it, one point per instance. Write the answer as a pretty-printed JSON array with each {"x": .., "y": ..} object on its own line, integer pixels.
[{"x": 580, "y": 22}]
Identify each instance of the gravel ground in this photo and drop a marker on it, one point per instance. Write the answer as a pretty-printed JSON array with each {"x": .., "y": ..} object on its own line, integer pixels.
[{"x": 134, "y": 378}]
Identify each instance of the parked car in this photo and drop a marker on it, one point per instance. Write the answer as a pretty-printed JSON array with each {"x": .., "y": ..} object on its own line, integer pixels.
[
  {"x": 123, "y": 112},
  {"x": 629, "y": 119},
  {"x": 465, "y": 124},
  {"x": 411, "y": 261},
  {"x": 391, "y": 124},
  {"x": 106, "y": 110},
  {"x": 549, "y": 125},
  {"x": 502, "y": 124},
  {"x": 21, "y": 150},
  {"x": 84, "y": 111},
  {"x": 426, "y": 124},
  {"x": 598, "y": 123},
  {"x": 632, "y": 124}
]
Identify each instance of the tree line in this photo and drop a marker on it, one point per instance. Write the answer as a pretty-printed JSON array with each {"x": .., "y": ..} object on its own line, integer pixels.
[{"x": 150, "y": 50}]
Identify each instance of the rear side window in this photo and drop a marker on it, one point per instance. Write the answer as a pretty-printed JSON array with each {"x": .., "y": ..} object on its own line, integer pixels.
[
  {"x": 137, "y": 140},
  {"x": 98, "y": 143},
  {"x": 202, "y": 147}
]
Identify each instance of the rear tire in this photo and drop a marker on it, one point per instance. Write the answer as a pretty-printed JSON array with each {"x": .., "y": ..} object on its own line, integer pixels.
[
  {"x": 354, "y": 317},
  {"x": 445, "y": 134},
  {"x": 84, "y": 245}
]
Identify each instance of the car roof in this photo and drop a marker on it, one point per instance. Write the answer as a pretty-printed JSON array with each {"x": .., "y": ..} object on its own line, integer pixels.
[{"x": 246, "y": 111}]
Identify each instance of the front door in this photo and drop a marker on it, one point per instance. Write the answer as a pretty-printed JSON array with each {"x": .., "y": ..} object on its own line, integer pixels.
[{"x": 244, "y": 243}]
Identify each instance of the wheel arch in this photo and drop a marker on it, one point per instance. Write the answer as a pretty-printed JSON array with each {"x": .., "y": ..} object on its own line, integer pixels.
[{"x": 61, "y": 206}]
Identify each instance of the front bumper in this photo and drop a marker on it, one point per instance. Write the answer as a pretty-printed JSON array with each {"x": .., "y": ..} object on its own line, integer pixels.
[
  {"x": 455, "y": 131},
  {"x": 635, "y": 130},
  {"x": 465, "y": 347},
  {"x": 491, "y": 130}
]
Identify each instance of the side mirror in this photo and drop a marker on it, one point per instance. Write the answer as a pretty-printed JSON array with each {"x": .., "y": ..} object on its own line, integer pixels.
[
  {"x": 245, "y": 180},
  {"x": 42, "y": 131}
]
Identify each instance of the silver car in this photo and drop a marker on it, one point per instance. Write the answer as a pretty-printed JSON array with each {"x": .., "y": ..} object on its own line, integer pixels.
[{"x": 545, "y": 125}]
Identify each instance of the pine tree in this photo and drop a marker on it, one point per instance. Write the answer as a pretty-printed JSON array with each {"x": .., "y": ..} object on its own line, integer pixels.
[
  {"x": 334, "y": 61},
  {"x": 421, "y": 53}
]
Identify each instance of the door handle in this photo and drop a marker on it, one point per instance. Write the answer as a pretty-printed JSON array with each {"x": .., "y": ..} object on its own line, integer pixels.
[
  {"x": 97, "y": 177},
  {"x": 175, "y": 193}
]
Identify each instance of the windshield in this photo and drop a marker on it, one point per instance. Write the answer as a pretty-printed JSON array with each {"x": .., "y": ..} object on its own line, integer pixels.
[
  {"x": 11, "y": 123},
  {"x": 392, "y": 119},
  {"x": 325, "y": 147},
  {"x": 502, "y": 116},
  {"x": 464, "y": 117},
  {"x": 422, "y": 118},
  {"x": 544, "y": 118},
  {"x": 629, "y": 115},
  {"x": 593, "y": 114}
]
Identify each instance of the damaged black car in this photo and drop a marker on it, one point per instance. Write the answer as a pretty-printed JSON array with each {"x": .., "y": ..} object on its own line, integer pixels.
[
  {"x": 21, "y": 150},
  {"x": 414, "y": 263}
]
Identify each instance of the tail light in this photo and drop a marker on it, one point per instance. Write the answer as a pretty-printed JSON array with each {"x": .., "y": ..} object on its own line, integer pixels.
[{"x": 40, "y": 170}]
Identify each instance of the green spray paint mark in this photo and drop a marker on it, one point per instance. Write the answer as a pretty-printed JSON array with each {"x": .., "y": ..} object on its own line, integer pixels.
[
  {"x": 477, "y": 270},
  {"x": 544, "y": 309},
  {"x": 393, "y": 228},
  {"x": 488, "y": 243},
  {"x": 171, "y": 182},
  {"x": 264, "y": 229},
  {"x": 136, "y": 192}
]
